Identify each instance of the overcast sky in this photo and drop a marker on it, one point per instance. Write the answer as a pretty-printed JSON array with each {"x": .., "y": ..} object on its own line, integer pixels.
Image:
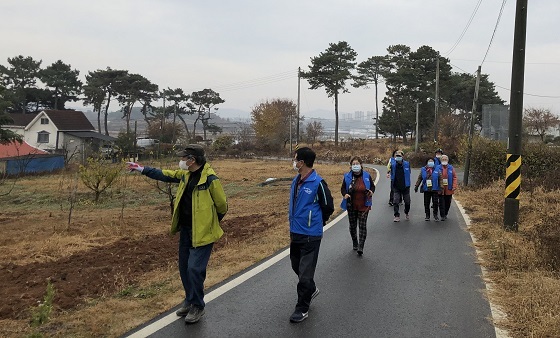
[{"x": 250, "y": 50}]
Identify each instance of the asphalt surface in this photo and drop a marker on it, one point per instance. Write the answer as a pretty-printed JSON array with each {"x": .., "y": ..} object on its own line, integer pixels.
[{"x": 415, "y": 279}]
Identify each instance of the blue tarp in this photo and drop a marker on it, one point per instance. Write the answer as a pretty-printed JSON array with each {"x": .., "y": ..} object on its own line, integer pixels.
[{"x": 35, "y": 164}]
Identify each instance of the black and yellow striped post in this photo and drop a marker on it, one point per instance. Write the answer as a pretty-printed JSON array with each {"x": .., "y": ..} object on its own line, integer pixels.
[
  {"x": 513, "y": 167},
  {"x": 513, "y": 189}
]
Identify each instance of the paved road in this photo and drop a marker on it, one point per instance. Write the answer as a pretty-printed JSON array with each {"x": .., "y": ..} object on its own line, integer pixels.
[{"x": 416, "y": 279}]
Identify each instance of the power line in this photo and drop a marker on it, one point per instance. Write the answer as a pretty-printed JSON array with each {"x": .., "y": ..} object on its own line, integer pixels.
[
  {"x": 535, "y": 95},
  {"x": 494, "y": 32},
  {"x": 261, "y": 81},
  {"x": 464, "y": 30},
  {"x": 509, "y": 62},
  {"x": 462, "y": 69}
]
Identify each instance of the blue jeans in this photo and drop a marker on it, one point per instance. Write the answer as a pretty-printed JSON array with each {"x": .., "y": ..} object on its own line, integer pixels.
[{"x": 192, "y": 268}]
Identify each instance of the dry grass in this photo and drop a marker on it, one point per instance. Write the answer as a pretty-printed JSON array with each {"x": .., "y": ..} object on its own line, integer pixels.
[
  {"x": 522, "y": 266},
  {"x": 36, "y": 231}
]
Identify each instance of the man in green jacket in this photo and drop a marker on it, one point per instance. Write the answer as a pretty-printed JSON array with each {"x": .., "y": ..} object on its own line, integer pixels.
[{"x": 200, "y": 204}]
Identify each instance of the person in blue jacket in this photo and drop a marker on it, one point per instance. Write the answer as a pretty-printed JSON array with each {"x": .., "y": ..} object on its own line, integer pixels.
[
  {"x": 311, "y": 205},
  {"x": 357, "y": 190},
  {"x": 400, "y": 180},
  {"x": 429, "y": 180},
  {"x": 437, "y": 158}
]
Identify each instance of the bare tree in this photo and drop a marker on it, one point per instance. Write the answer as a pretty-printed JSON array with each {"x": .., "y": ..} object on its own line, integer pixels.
[{"x": 539, "y": 121}]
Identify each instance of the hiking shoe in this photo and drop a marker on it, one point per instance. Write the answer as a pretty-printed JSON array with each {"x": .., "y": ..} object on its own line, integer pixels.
[
  {"x": 182, "y": 312},
  {"x": 407, "y": 217},
  {"x": 427, "y": 218},
  {"x": 360, "y": 251},
  {"x": 436, "y": 218},
  {"x": 298, "y": 316},
  {"x": 194, "y": 315},
  {"x": 354, "y": 245},
  {"x": 315, "y": 294},
  {"x": 396, "y": 219}
]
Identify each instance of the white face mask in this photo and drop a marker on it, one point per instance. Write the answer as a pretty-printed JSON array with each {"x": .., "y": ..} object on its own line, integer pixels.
[
  {"x": 438, "y": 156},
  {"x": 444, "y": 162},
  {"x": 183, "y": 165},
  {"x": 356, "y": 168},
  {"x": 295, "y": 166}
]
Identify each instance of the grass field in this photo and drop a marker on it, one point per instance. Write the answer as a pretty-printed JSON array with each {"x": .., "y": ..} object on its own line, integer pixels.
[{"x": 113, "y": 264}]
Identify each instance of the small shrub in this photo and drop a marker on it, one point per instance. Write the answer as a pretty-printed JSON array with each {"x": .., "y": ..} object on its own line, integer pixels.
[
  {"x": 98, "y": 175},
  {"x": 43, "y": 311}
]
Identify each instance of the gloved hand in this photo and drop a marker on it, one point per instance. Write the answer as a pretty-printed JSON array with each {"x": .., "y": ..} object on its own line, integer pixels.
[
  {"x": 415, "y": 189},
  {"x": 131, "y": 166}
]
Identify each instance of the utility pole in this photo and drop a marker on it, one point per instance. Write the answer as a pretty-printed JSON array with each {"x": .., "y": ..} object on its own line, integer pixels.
[
  {"x": 471, "y": 130},
  {"x": 298, "y": 100},
  {"x": 417, "y": 127},
  {"x": 437, "y": 102},
  {"x": 513, "y": 161}
]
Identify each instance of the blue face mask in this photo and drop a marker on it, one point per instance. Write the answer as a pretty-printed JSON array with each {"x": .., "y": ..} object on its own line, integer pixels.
[
  {"x": 431, "y": 164},
  {"x": 398, "y": 159}
]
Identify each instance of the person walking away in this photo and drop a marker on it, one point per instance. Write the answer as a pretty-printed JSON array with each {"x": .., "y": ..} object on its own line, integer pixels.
[
  {"x": 310, "y": 206},
  {"x": 200, "y": 204},
  {"x": 437, "y": 158},
  {"x": 389, "y": 166},
  {"x": 400, "y": 181},
  {"x": 448, "y": 186},
  {"x": 429, "y": 182},
  {"x": 357, "y": 190}
]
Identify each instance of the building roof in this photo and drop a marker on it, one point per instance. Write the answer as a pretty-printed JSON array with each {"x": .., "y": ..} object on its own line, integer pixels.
[
  {"x": 15, "y": 149},
  {"x": 69, "y": 120},
  {"x": 64, "y": 120},
  {"x": 92, "y": 134},
  {"x": 22, "y": 119}
]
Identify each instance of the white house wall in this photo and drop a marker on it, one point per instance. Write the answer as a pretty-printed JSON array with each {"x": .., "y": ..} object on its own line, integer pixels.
[{"x": 32, "y": 132}]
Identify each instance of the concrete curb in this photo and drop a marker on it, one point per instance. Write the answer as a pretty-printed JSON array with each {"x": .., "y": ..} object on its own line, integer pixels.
[{"x": 497, "y": 314}]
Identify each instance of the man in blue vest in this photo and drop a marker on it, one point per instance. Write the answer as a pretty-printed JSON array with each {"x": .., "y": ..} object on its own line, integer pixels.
[
  {"x": 400, "y": 180},
  {"x": 311, "y": 205}
]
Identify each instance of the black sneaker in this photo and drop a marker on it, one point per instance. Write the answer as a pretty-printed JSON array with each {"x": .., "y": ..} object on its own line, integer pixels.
[
  {"x": 427, "y": 218},
  {"x": 194, "y": 315},
  {"x": 182, "y": 312},
  {"x": 298, "y": 316},
  {"x": 360, "y": 251}
]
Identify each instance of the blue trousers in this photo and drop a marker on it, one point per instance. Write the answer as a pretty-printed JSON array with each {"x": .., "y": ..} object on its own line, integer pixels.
[{"x": 192, "y": 268}]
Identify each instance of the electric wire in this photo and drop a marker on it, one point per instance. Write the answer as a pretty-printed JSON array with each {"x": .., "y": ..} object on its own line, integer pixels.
[
  {"x": 261, "y": 81},
  {"x": 494, "y": 32},
  {"x": 464, "y": 30},
  {"x": 535, "y": 95}
]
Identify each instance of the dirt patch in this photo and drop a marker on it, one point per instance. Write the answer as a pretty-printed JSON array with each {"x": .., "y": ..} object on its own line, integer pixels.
[{"x": 102, "y": 270}]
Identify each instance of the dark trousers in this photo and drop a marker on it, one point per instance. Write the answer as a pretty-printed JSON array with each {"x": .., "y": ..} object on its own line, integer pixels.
[
  {"x": 444, "y": 204},
  {"x": 358, "y": 219},
  {"x": 192, "y": 268},
  {"x": 433, "y": 198},
  {"x": 397, "y": 196},
  {"x": 303, "y": 256}
]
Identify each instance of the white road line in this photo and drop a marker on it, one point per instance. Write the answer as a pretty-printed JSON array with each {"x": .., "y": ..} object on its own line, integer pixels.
[
  {"x": 497, "y": 314},
  {"x": 170, "y": 318}
]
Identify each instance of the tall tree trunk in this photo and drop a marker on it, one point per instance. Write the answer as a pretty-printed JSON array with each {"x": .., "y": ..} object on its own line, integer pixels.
[
  {"x": 336, "y": 119},
  {"x": 186, "y": 126},
  {"x": 99, "y": 119},
  {"x": 106, "y": 114},
  {"x": 376, "y": 111}
]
